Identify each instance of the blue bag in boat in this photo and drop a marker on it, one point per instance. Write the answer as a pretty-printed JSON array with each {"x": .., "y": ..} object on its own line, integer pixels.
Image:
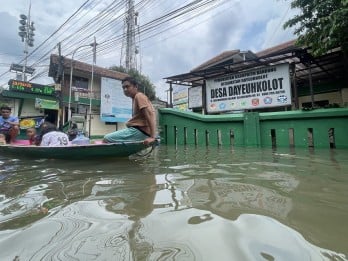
[{"x": 80, "y": 139}]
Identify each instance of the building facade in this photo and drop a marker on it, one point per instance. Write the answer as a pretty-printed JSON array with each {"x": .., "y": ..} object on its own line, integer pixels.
[
  {"x": 75, "y": 97},
  {"x": 229, "y": 81}
]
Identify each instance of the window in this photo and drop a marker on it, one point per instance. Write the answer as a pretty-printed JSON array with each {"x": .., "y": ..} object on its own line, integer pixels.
[
  {"x": 80, "y": 83},
  {"x": 318, "y": 104}
]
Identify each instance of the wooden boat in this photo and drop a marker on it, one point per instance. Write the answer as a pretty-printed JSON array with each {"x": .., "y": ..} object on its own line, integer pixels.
[{"x": 21, "y": 148}]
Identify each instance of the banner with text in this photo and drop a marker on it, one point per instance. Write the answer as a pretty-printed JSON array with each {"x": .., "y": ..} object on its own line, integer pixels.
[
  {"x": 260, "y": 88},
  {"x": 180, "y": 98},
  {"x": 195, "y": 97},
  {"x": 46, "y": 104},
  {"x": 114, "y": 105}
]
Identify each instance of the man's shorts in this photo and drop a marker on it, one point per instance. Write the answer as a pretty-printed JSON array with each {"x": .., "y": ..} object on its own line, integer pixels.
[{"x": 127, "y": 134}]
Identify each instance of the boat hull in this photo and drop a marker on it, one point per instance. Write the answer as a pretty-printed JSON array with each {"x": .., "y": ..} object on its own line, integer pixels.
[{"x": 103, "y": 150}]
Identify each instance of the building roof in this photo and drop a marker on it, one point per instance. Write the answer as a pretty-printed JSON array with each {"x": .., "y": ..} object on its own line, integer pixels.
[
  {"x": 326, "y": 68},
  {"x": 281, "y": 47},
  {"x": 82, "y": 67},
  {"x": 225, "y": 56}
]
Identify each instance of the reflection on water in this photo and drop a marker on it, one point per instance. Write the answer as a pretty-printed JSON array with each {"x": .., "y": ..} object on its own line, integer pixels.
[{"x": 180, "y": 203}]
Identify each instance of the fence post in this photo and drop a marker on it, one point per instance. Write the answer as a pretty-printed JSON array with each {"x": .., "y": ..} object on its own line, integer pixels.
[{"x": 252, "y": 135}]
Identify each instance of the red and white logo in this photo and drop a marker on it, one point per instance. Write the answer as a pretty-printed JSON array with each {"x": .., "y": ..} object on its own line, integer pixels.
[{"x": 255, "y": 102}]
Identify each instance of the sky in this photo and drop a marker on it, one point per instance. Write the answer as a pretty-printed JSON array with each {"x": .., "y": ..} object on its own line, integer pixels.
[{"x": 175, "y": 47}]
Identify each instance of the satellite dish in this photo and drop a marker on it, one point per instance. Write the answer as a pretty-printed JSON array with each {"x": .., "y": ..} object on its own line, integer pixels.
[
  {"x": 22, "y": 28},
  {"x": 23, "y": 22},
  {"x": 22, "y": 34},
  {"x": 22, "y": 16}
]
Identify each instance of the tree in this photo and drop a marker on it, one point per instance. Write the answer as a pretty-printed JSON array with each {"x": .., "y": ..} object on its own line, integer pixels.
[
  {"x": 144, "y": 82},
  {"x": 322, "y": 24}
]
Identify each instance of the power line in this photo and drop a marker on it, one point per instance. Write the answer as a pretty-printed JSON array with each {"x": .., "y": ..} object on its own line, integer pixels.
[{"x": 107, "y": 26}]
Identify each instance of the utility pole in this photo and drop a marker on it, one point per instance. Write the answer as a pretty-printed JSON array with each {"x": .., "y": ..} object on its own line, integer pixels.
[
  {"x": 26, "y": 33},
  {"x": 91, "y": 93},
  {"x": 129, "y": 49}
]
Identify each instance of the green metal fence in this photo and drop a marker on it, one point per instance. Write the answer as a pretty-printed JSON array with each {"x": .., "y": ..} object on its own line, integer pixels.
[{"x": 322, "y": 128}]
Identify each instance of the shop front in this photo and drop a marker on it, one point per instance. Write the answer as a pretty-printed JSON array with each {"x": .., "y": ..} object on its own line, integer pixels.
[{"x": 32, "y": 103}]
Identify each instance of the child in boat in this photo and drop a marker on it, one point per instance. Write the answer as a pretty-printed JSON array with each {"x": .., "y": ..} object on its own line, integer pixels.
[
  {"x": 52, "y": 137},
  {"x": 2, "y": 139},
  {"x": 33, "y": 138}
]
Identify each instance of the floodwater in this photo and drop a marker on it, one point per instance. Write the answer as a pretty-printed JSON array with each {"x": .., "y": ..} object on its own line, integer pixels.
[{"x": 179, "y": 203}]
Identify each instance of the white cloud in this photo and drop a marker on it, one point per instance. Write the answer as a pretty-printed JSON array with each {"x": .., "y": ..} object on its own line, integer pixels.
[{"x": 245, "y": 25}]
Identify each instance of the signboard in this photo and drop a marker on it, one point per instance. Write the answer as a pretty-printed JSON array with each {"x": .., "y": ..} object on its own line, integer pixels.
[
  {"x": 180, "y": 98},
  {"x": 179, "y": 95},
  {"x": 31, "y": 122},
  {"x": 46, "y": 104},
  {"x": 260, "y": 88},
  {"x": 114, "y": 105},
  {"x": 195, "y": 99},
  {"x": 19, "y": 68},
  {"x": 31, "y": 87}
]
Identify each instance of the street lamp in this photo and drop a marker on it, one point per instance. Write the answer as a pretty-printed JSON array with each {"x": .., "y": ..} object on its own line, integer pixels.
[
  {"x": 26, "y": 32},
  {"x": 94, "y": 45},
  {"x": 71, "y": 73}
]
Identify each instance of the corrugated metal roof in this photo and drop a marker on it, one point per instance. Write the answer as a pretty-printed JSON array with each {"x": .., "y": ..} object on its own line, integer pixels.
[{"x": 326, "y": 68}]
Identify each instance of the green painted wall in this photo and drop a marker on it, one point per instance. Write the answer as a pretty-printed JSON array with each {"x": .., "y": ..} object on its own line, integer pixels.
[{"x": 322, "y": 128}]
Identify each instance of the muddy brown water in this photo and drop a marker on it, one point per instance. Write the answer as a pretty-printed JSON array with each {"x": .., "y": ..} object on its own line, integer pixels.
[{"x": 179, "y": 203}]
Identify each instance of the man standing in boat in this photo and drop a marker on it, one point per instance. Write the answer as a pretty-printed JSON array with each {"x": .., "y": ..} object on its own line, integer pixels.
[
  {"x": 142, "y": 125},
  {"x": 9, "y": 125}
]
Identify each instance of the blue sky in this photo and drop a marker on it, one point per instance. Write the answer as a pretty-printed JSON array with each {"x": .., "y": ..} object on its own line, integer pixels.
[{"x": 246, "y": 25}]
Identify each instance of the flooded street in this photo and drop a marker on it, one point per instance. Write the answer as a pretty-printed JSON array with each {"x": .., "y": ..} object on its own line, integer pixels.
[{"x": 180, "y": 203}]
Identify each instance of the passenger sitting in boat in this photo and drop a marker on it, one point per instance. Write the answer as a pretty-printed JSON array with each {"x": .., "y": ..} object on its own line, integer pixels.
[
  {"x": 9, "y": 125},
  {"x": 33, "y": 138},
  {"x": 73, "y": 131},
  {"x": 142, "y": 126},
  {"x": 52, "y": 137}
]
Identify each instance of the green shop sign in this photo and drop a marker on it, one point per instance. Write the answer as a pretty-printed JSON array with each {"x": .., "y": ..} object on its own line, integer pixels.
[
  {"x": 46, "y": 104},
  {"x": 31, "y": 87}
]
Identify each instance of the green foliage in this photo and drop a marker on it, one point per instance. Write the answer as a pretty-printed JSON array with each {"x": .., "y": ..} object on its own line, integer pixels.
[
  {"x": 322, "y": 24},
  {"x": 144, "y": 82}
]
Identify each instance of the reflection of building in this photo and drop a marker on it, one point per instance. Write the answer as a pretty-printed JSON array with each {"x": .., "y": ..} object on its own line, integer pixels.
[
  {"x": 119, "y": 195},
  {"x": 229, "y": 199}
]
